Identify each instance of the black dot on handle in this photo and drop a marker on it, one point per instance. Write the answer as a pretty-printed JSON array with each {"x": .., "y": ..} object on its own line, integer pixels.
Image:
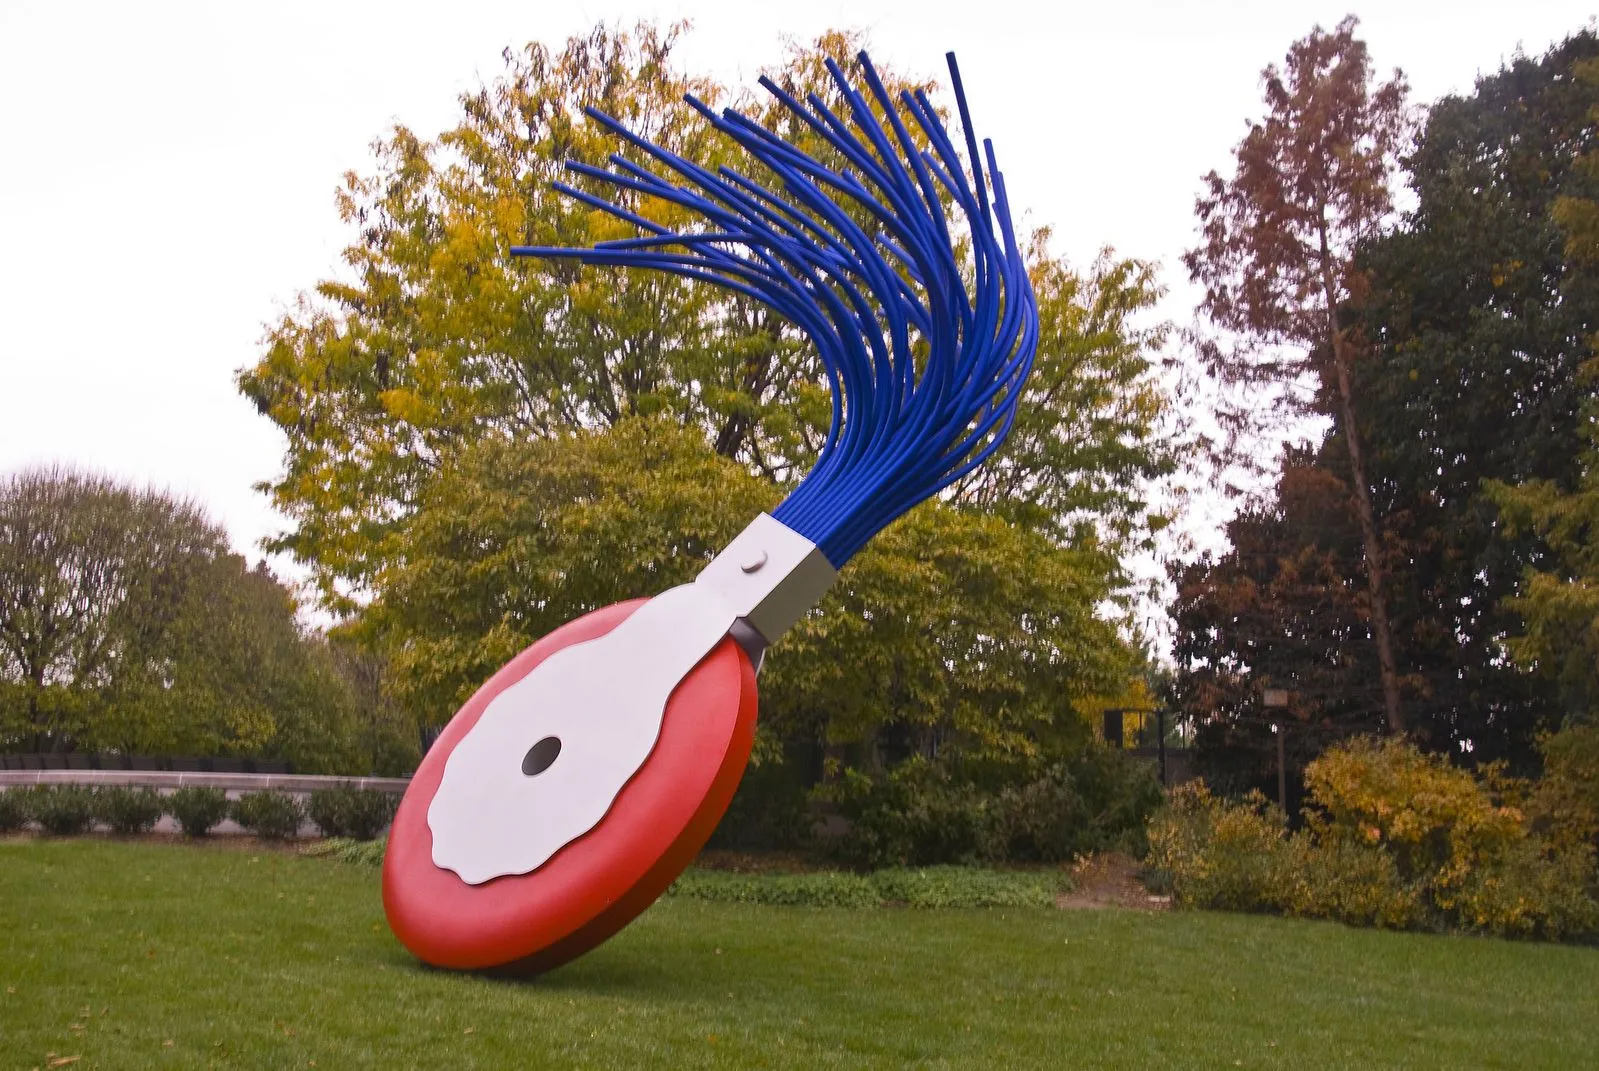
[{"x": 541, "y": 755}]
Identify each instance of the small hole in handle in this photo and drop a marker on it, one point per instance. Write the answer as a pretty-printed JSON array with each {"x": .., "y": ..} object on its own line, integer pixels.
[{"x": 541, "y": 755}]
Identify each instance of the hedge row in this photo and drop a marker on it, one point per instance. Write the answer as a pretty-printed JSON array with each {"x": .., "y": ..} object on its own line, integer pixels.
[
  {"x": 64, "y": 810},
  {"x": 925, "y": 887}
]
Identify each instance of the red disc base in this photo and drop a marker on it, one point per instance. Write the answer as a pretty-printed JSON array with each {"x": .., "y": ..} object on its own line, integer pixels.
[{"x": 601, "y": 881}]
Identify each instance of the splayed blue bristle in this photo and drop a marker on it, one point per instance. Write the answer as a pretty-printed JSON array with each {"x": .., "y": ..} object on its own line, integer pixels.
[{"x": 902, "y": 430}]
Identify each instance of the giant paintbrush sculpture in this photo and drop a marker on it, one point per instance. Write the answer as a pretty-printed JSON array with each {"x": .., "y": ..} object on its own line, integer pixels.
[{"x": 576, "y": 785}]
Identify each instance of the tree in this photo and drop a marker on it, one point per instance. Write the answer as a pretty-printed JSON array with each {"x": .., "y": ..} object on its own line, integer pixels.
[
  {"x": 1084, "y": 448},
  {"x": 127, "y": 625},
  {"x": 83, "y": 562},
  {"x": 953, "y": 636},
  {"x": 440, "y": 342},
  {"x": 1281, "y": 609},
  {"x": 1559, "y": 597},
  {"x": 1559, "y": 603},
  {"x": 1481, "y": 311},
  {"x": 1278, "y": 258}
]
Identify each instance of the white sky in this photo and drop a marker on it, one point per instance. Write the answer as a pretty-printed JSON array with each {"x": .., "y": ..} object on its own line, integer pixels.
[{"x": 167, "y": 170}]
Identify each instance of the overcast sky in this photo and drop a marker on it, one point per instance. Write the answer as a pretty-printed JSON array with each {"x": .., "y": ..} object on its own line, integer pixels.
[{"x": 167, "y": 170}]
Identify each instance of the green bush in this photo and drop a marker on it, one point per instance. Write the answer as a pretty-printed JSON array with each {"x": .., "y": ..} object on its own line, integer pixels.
[
  {"x": 129, "y": 810},
  {"x": 957, "y": 886},
  {"x": 351, "y": 812},
  {"x": 786, "y": 890},
  {"x": 913, "y": 816},
  {"x": 918, "y": 815},
  {"x": 62, "y": 810},
  {"x": 1564, "y": 803},
  {"x": 197, "y": 809},
  {"x": 929, "y": 887},
  {"x": 1531, "y": 892},
  {"x": 1098, "y": 801},
  {"x": 1350, "y": 881},
  {"x": 273, "y": 815},
  {"x": 13, "y": 809},
  {"x": 768, "y": 812}
]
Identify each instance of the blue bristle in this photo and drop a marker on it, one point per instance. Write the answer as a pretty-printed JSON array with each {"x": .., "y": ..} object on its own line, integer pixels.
[{"x": 899, "y": 433}]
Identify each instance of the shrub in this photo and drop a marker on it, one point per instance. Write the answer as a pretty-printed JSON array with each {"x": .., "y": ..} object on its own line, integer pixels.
[
  {"x": 351, "y": 812},
  {"x": 197, "y": 809},
  {"x": 1098, "y": 801},
  {"x": 917, "y": 815},
  {"x": 785, "y": 890},
  {"x": 274, "y": 815},
  {"x": 1213, "y": 854},
  {"x": 957, "y": 886},
  {"x": 1349, "y": 881},
  {"x": 768, "y": 812},
  {"x": 128, "y": 810},
  {"x": 1530, "y": 892},
  {"x": 913, "y": 816},
  {"x": 62, "y": 809},
  {"x": 1393, "y": 837},
  {"x": 1564, "y": 804},
  {"x": 13, "y": 809},
  {"x": 930, "y": 887},
  {"x": 1437, "y": 822}
]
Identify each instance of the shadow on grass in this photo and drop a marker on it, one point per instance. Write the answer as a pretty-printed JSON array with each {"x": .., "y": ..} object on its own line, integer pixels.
[{"x": 668, "y": 974}]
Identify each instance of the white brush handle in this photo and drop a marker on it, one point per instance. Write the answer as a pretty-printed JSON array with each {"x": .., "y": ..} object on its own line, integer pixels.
[{"x": 603, "y": 701}]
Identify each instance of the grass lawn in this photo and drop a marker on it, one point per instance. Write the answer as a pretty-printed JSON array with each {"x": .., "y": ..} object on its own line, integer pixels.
[{"x": 148, "y": 955}]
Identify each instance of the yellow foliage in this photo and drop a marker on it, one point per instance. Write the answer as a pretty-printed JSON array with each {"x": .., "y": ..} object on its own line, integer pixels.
[{"x": 1393, "y": 837}]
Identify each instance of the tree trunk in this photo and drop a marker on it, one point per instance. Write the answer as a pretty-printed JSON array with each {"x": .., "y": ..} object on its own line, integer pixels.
[{"x": 1392, "y": 712}]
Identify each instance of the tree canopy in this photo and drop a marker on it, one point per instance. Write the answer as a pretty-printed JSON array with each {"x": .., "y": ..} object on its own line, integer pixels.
[
  {"x": 953, "y": 635},
  {"x": 1476, "y": 313},
  {"x": 437, "y": 341},
  {"x": 1277, "y": 259},
  {"x": 1483, "y": 323},
  {"x": 127, "y": 625}
]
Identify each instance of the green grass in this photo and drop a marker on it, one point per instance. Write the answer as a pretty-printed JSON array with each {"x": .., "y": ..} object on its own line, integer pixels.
[{"x": 144, "y": 955}]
